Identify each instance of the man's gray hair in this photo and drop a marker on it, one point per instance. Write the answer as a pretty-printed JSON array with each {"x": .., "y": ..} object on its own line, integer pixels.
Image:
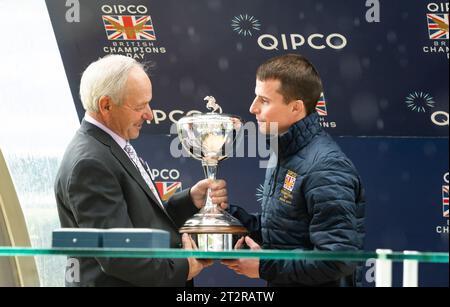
[{"x": 106, "y": 77}]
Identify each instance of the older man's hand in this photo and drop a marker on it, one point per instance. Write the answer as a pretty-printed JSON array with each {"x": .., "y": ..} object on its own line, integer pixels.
[
  {"x": 219, "y": 194},
  {"x": 195, "y": 265}
]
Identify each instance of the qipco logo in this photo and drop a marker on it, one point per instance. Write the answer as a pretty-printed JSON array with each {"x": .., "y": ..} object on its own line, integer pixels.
[
  {"x": 166, "y": 174},
  {"x": 121, "y": 9},
  {"x": 294, "y": 41},
  {"x": 440, "y": 118},
  {"x": 438, "y": 7},
  {"x": 446, "y": 178},
  {"x": 160, "y": 116}
]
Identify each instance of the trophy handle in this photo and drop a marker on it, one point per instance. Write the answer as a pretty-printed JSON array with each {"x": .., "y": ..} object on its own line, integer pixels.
[{"x": 210, "y": 173}]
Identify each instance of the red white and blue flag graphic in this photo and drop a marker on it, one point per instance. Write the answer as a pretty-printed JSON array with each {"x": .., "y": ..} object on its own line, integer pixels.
[
  {"x": 321, "y": 107},
  {"x": 445, "y": 200},
  {"x": 128, "y": 27},
  {"x": 438, "y": 26},
  {"x": 167, "y": 189}
]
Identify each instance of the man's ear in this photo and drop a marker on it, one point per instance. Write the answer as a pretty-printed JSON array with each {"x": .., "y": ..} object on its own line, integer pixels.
[
  {"x": 104, "y": 104},
  {"x": 298, "y": 107}
]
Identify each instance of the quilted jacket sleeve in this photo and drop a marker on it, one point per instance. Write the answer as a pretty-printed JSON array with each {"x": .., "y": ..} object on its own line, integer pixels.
[{"x": 250, "y": 221}]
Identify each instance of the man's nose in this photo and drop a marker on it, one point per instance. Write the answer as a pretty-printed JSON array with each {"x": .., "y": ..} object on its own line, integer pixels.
[
  {"x": 148, "y": 114},
  {"x": 254, "y": 107}
]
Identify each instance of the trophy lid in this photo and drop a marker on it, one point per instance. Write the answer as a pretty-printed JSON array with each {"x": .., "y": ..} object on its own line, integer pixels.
[{"x": 215, "y": 115}]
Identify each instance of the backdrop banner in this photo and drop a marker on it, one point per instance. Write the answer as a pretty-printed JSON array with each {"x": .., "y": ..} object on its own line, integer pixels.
[{"x": 385, "y": 70}]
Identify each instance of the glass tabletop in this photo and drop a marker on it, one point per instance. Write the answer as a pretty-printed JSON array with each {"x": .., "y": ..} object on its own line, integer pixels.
[{"x": 427, "y": 257}]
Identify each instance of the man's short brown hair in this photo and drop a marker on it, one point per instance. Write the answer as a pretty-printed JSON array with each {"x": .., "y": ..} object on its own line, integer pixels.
[{"x": 298, "y": 77}]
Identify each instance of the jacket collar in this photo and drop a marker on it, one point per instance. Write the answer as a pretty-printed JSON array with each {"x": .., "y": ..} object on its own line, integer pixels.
[
  {"x": 97, "y": 133},
  {"x": 119, "y": 140},
  {"x": 299, "y": 135}
]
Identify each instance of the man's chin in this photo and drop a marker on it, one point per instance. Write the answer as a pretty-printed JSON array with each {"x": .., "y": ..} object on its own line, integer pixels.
[
  {"x": 265, "y": 129},
  {"x": 268, "y": 128},
  {"x": 262, "y": 130},
  {"x": 134, "y": 135}
]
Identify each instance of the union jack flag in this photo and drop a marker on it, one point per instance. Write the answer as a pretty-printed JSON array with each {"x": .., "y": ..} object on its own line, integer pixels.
[
  {"x": 438, "y": 26},
  {"x": 321, "y": 107},
  {"x": 167, "y": 189},
  {"x": 445, "y": 200},
  {"x": 129, "y": 27}
]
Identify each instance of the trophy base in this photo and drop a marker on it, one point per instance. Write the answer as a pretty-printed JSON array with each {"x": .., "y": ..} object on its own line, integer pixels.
[
  {"x": 235, "y": 230},
  {"x": 215, "y": 242},
  {"x": 215, "y": 238}
]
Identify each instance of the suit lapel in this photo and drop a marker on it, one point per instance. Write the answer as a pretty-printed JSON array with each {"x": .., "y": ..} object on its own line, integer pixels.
[{"x": 120, "y": 155}]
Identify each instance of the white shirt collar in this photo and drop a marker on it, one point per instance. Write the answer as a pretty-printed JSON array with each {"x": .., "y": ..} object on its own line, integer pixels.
[{"x": 119, "y": 140}]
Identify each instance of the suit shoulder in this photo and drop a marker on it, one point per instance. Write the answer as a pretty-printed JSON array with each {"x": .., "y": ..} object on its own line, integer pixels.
[{"x": 85, "y": 149}]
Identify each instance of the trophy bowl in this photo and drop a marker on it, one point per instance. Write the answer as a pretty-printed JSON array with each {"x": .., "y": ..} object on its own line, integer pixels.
[{"x": 210, "y": 138}]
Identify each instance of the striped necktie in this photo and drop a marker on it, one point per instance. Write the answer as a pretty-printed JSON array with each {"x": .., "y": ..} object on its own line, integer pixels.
[{"x": 145, "y": 175}]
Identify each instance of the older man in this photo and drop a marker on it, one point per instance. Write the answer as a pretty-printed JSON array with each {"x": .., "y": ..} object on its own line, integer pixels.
[{"x": 102, "y": 183}]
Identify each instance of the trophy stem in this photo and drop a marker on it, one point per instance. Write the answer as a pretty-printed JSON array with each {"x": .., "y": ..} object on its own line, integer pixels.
[{"x": 210, "y": 173}]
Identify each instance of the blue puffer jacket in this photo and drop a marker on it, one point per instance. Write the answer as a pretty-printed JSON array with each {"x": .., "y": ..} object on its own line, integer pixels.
[{"x": 313, "y": 200}]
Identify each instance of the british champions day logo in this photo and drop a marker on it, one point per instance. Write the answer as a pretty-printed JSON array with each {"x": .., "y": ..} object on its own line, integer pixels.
[
  {"x": 444, "y": 205},
  {"x": 167, "y": 182},
  {"x": 130, "y": 30},
  {"x": 167, "y": 189},
  {"x": 445, "y": 201},
  {"x": 321, "y": 109},
  {"x": 437, "y": 25}
]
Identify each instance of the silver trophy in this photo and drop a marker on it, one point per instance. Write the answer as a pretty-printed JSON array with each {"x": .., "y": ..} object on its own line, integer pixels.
[{"x": 210, "y": 138}]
